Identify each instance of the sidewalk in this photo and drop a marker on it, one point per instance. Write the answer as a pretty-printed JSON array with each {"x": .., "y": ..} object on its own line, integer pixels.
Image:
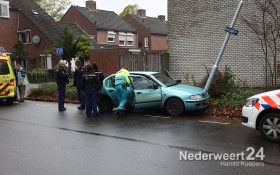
[{"x": 30, "y": 86}]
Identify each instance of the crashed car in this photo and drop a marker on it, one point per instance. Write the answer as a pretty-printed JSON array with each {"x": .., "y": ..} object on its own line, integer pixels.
[{"x": 155, "y": 90}]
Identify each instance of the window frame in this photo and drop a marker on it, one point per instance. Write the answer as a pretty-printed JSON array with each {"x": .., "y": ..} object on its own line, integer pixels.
[
  {"x": 27, "y": 35},
  {"x": 122, "y": 35},
  {"x": 146, "y": 42},
  {"x": 111, "y": 35},
  {"x": 130, "y": 41},
  {"x": 6, "y": 5}
]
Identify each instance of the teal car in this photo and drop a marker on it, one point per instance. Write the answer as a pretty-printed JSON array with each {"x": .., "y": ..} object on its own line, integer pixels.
[{"x": 156, "y": 90}]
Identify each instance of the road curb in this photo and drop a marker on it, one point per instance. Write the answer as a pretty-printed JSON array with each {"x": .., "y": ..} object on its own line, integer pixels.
[{"x": 38, "y": 99}]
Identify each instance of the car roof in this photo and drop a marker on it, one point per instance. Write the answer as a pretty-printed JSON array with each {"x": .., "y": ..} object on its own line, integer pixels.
[{"x": 143, "y": 72}]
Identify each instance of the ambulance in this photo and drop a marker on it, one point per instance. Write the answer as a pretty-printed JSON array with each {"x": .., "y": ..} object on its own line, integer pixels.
[
  {"x": 262, "y": 112},
  {"x": 8, "y": 88}
]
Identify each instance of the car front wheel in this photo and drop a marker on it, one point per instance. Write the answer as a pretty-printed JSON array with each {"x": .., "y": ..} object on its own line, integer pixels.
[
  {"x": 174, "y": 106},
  {"x": 269, "y": 127}
]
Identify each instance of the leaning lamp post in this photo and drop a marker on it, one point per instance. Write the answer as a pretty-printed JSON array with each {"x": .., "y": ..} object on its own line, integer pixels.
[{"x": 230, "y": 30}]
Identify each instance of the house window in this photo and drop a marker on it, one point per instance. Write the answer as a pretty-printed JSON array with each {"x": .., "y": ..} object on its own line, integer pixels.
[
  {"x": 122, "y": 39},
  {"x": 111, "y": 36},
  {"x": 130, "y": 39},
  {"x": 4, "y": 9},
  {"x": 146, "y": 41},
  {"x": 46, "y": 62},
  {"x": 25, "y": 36}
]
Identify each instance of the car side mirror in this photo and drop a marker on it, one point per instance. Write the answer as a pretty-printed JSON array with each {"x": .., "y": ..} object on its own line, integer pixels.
[{"x": 179, "y": 81}]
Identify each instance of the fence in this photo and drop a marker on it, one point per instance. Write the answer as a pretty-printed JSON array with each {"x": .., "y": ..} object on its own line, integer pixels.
[
  {"x": 157, "y": 62},
  {"x": 41, "y": 78}
]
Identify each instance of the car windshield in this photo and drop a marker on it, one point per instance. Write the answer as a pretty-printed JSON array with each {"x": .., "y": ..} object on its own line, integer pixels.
[{"x": 164, "y": 80}]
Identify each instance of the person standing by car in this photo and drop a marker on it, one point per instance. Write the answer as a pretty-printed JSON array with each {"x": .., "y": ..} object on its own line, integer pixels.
[
  {"x": 121, "y": 82},
  {"x": 62, "y": 78},
  {"x": 100, "y": 78},
  {"x": 22, "y": 82},
  {"x": 79, "y": 71},
  {"x": 90, "y": 87}
]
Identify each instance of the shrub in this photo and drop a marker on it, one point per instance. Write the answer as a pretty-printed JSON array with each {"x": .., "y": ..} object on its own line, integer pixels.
[
  {"x": 223, "y": 83},
  {"x": 232, "y": 99},
  {"x": 48, "y": 91}
]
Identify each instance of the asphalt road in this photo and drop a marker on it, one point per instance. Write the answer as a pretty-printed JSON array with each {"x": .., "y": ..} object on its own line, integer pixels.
[{"x": 37, "y": 139}]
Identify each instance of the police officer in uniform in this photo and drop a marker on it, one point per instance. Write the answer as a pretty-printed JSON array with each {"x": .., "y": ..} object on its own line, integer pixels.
[
  {"x": 79, "y": 71},
  {"x": 90, "y": 87},
  {"x": 62, "y": 78},
  {"x": 100, "y": 77}
]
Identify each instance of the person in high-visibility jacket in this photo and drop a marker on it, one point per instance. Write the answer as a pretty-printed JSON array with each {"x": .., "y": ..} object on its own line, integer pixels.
[{"x": 122, "y": 81}]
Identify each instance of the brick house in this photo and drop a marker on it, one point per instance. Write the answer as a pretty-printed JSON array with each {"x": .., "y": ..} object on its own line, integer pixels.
[
  {"x": 105, "y": 27},
  {"x": 152, "y": 32},
  {"x": 196, "y": 34},
  {"x": 28, "y": 22},
  {"x": 8, "y": 29}
]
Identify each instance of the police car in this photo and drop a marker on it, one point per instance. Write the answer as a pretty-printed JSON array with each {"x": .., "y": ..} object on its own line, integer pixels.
[
  {"x": 156, "y": 90},
  {"x": 8, "y": 88},
  {"x": 262, "y": 112}
]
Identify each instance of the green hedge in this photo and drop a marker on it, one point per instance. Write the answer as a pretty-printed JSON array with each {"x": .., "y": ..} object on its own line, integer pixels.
[{"x": 48, "y": 91}]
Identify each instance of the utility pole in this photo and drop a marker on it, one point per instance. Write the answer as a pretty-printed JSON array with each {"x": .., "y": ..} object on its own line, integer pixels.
[{"x": 230, "y": 30}]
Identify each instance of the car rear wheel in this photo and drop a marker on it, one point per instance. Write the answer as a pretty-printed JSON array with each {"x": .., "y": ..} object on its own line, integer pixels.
[
  {"x": 269, "y": 127},
  {"x": 174, "y": 106},
  {"x": 107, "y": 103}
]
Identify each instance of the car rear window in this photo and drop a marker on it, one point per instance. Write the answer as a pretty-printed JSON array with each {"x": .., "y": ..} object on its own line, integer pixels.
[{"x": 4, "y": 68}]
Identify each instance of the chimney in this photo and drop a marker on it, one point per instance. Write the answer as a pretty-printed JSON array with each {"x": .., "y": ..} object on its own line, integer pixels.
[
  {"x": 141, "y": 12},
  {"x": 91, "y": 5},
  {"x": 161, "y": 17}
]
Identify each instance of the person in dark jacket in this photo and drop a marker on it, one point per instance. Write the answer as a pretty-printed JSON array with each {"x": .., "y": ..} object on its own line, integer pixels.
[
  {"x": 90, "y": 87},
  {"x": 100, "y": 77},
  {"x": 79, "y": 71},
  {"x": 62, "y": 78}
]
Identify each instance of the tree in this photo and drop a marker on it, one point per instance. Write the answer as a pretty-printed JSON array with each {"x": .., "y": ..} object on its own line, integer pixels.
[
  {"x": 54, "y": 8},
  {"x": 265, "y": 24},
  {"x": 130, "y": 9},
  {"x": 84, "y": 47},
  {"x": 19, "y": 53},
  {"x": 67, "y": 42}
]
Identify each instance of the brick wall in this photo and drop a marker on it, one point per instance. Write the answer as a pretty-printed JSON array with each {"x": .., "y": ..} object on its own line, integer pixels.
[
  {"x": 8, "y": 31},
  {"x": 196, "y": 33},
  {"x": 35, "y": 50},
  {"x": 72, "y": 16},
  {"x": 141, "y": 30},
  {"x": 107, "y": 59},
  {"x": 158, "y": 42},
  {"x": 9, "y": 36}
]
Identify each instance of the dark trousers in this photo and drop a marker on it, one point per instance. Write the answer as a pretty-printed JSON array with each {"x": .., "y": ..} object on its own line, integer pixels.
[
  {"x": 81, "y": 97},
  {"x": 99, "y": 103},
  {"x": 91, "y": 100},
  {"x": 61, "y": 95}
]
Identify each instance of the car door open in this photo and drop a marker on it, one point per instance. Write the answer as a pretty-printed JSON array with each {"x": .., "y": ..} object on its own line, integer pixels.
[{"x": 147, "y": 93}]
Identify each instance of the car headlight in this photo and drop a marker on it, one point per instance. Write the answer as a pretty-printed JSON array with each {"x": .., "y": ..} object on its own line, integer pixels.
[
  {"x": 194, "y": 97},
  {"x": 251, "y": 102}
]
